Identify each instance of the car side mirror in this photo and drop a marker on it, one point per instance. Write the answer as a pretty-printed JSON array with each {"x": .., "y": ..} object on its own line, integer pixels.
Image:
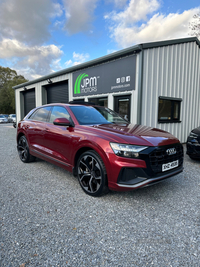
[{"x": 62, "y": 122}]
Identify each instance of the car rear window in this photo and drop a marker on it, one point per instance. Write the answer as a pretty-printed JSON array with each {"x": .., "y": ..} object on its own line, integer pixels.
[{"x": 40, "y": 114}]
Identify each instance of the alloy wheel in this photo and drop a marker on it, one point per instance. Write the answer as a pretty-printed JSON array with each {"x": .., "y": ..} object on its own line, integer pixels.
[
  {"x": 90, "y": 174},
  {"x": 23, "y": 148}
]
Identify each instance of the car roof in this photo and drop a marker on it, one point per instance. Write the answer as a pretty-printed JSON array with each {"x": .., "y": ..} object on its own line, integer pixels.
[{"x": 71, "y": 103}]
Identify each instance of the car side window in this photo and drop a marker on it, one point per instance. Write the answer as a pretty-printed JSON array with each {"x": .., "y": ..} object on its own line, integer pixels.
[
  {"x": 59, "y": 112},
  {"x": 40, "y": 114}
]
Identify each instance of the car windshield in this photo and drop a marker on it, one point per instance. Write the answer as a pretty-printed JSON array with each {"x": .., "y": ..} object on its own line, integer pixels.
[
  {"x": 2, "y": 117},
  {"x": 95, "y": 115}
]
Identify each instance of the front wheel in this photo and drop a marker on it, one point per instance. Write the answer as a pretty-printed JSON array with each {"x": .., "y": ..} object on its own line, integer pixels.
[
  {"x": 91, "y": 173},
  {"x": 23, "y": 150}
]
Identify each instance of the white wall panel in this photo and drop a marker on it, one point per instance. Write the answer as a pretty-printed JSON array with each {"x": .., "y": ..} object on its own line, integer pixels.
[{"x": 172, "y": 71}]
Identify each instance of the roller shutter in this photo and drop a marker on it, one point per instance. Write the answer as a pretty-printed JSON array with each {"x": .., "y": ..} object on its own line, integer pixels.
[
  {"x": 57, "y": 93},
  {"x": 29, "y": 100}
]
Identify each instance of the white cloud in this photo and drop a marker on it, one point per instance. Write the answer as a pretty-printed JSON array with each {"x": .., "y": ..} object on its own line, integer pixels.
[
  {"x": 24, "y": 29},
  {"x": 132, "y": 25},
  {"x": 68, "y": 63},
  {"x": 27, "y": 20},
  {"x": 77, "y": 59},
  {"x": 31, "y": 61},
  {"x": 110, "y": 51},
  {"x": 80, "y": 57},
  {"x": 136, "y": 10},
  {"x": 118, "y": 3},
  {"x": 79, "y": 15},
  {"x": 157, "y": 28},
  {"x": 57, "y": 10}
]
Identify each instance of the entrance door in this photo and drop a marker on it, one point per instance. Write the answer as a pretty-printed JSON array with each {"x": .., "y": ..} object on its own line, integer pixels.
[{"x": 122, "y": 106}]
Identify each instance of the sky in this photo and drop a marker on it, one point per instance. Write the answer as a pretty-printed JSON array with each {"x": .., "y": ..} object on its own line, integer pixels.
[{"x": 44, "y": 36}]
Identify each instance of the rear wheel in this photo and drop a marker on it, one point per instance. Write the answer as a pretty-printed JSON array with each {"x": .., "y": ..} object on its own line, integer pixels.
[
  {"x": 23, "y": 150},
  {"x": 92, "y": 174}
]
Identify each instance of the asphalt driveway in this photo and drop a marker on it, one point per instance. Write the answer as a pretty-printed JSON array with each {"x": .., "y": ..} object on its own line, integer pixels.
[{"x": 47, "y": 220}]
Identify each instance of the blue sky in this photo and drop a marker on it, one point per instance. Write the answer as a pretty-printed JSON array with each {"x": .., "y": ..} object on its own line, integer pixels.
[{"x": 43, "y": 36}]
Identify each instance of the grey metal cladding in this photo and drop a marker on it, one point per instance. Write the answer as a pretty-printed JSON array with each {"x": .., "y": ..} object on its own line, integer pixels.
[{"x": 172, "y": 71}]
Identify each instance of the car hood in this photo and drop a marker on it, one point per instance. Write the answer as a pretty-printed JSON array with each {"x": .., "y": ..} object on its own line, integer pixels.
[{"x": 135, "y": 134}]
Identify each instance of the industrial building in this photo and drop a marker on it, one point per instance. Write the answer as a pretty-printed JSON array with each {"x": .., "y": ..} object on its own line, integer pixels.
[{"x": 155, "y": 84}]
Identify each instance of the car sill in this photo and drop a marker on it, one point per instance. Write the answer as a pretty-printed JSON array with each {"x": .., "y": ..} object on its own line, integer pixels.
[{"x": 48, "y": 157}]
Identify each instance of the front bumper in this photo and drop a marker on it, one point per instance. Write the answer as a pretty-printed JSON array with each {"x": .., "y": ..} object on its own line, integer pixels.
[
  {"x": 128, "y": 174},
  {"x": 138, "y": 181}
]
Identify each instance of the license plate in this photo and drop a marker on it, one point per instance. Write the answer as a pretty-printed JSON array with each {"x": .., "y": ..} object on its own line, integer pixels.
[{"x": 170, "y": 165}]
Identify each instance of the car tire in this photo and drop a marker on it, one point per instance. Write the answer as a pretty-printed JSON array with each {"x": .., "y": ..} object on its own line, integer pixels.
[
  {"x": 23, "y": 150},
  {"x": 91, "y": 174}
]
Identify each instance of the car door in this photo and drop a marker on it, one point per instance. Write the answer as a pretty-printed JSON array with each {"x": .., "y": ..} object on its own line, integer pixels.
[
  {"x": 58, "y": 139},
  {"x": 35, "y": 129}
]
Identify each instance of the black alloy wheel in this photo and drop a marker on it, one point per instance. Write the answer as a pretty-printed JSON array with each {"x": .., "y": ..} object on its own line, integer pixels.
[
  {"x": 92, "y": 174},
  {"x": 23, "y": 150}
]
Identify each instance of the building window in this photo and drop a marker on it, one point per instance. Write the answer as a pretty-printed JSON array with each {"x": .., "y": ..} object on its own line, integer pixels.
[
  {"x": 169, "y": 109},
  {"x": 103, "y": 101}
]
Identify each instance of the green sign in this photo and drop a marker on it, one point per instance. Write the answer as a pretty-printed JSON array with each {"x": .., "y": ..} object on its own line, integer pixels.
[{"x": 77, "y": 85}]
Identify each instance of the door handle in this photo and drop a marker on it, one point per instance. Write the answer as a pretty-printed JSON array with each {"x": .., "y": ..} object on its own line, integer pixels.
[{"x": 47, "y": 129}]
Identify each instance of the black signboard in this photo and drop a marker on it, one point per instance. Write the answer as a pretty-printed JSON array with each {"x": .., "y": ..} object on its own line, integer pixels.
[{"x": 114, "y": 76}]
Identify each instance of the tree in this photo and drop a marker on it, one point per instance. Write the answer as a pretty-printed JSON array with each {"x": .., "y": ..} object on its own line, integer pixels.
[
  {"x": 8, "y": 79},
  {"x": 195, "y": 26}
]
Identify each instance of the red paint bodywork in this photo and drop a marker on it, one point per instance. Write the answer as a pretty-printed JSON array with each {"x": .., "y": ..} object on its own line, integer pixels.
[{"x": 60, "y": 144}]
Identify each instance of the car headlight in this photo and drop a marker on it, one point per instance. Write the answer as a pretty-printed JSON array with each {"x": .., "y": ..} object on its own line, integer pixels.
[{"x": 128, "y": 151}]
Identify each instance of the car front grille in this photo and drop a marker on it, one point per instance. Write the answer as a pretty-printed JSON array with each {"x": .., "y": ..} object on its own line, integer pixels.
[{"x": 159, "y": 156}]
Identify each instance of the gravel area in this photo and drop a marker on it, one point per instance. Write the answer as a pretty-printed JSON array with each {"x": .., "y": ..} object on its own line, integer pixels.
[{"x": 47, "y": 220}]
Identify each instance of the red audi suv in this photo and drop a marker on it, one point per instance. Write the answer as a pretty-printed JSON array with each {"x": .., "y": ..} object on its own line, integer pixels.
[{"x": 101, "y": 148}]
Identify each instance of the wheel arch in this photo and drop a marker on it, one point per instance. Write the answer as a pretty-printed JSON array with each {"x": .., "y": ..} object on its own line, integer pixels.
[
  {"x": 19, "y": 135},
  {"x": 87, "y": 148}
]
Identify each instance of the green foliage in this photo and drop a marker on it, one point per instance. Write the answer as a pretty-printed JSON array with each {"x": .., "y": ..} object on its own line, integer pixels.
[{"x": 8, "y": 79}]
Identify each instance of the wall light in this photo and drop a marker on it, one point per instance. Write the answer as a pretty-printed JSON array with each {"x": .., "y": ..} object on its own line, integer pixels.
[
  {"x": 49, "y": 80},
  {"x": 25, "y": 88}
]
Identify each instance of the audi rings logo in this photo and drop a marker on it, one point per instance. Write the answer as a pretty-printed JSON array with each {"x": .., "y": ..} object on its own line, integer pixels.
[{"x": 171, "y": 151}]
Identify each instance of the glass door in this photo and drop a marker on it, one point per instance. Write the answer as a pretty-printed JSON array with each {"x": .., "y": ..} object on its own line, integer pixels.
[{"x": 122, "y": 106}]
